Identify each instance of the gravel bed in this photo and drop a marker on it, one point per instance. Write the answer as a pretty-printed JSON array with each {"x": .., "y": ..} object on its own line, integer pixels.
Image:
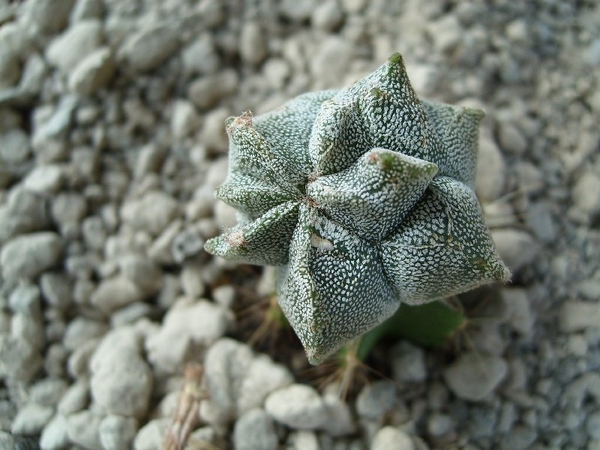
[{"x": 112, "y": 142}]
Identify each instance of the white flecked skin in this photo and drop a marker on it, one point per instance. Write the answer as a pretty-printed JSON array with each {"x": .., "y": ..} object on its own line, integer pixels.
[{"x": 364, "y": 198}]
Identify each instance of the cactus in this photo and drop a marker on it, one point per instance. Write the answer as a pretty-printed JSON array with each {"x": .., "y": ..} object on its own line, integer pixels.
[{"x": 364, "y": 199}]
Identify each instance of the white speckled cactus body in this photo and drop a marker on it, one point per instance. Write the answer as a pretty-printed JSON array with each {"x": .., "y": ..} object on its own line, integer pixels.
[{"x": 364, "y": 198}]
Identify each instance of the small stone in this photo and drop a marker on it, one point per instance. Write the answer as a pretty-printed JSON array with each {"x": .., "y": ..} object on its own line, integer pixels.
[
  {"x": 75, "y": 399},
  {"x": 75, "y": 44},
  {"x": 520, "y": 316},
  {"x": 191, "y": 280},
  {"x": 148, "y": 48},
  {"x": 19, "y": 360},
  {"x": 184, "y": 119},
  {"x": 439, "y": 425},
  {"x": 578, "y": 315},
  {"x": 78, "y": 362},
  {"x": 25, "y": 299},
  {"x": 303, "y": 440},
  {"x": 297, "y": 406},
  {"x": 24, "y": 212},
  {"x": 491, "y": 170},
  {"x": 94, "y": 72},
  {"x": 339, "y": 421},
  {"x": 32, "y": 418},
  {"x": 331, "y": 62},
  {"x": 327, "y": 16},
  {"x": 207, "y": 91},
  {"x": 224, "y": 295},
  {"x": 253, "y": 48},
  {"x": 115, "y": 293},
  {"x": 117, "y": 432},
  {"x": 540, "y": 220},
  {"x": 29, "y": 328},
  {"x": 48, "y": 392},
  {"x": 142, "y": 272},
  {"x": 10, "y": 69},
  {"x": 390, "y": 438},
  {"x": 474, "y": 376},
  {"x": 520, "y": 438},
  {"x": 297, "y": 10},
  {"x": 152, "y": 212},
  {"x": 262, "y": 377},
  {"x": 446, "y": 32},
  {"x": 188, "y": 327},
  {"x": 376, "y": 399},
  {"x": 213, "y": 130},
  {"x": 68, "y": 208},
  {"x": 81, "y": 330},
  {"x": 586, "y": 195},
  {"x": 44, "y": 179},
  {"x": 82, "y": 428},
  {"x": 14, "y": 146},
  {"x": 29, "y": 255},
  {"x": 7, "y": 441},
  {"x": 55, "y": 435},
  {"x": 200, "y": 56},
  {"x": 593, "y": 426},
  {"x": 225, "y": 215},
  {"x": 510, "y": 138},
  {"x": 590, "y": 289},
  {"x": 94, "y": 233},
  {"x": 517, "y": 248},
  {"x": 48, "y": 17},
  {"x": 186, "y": 244},
  {"x": 151, "y": 436},
  {"x": 408, "y": 363},
  {"x": 255, "y": 430},
  {"x": 121, "y": 379},
  {"x": 87, "y": 9}
]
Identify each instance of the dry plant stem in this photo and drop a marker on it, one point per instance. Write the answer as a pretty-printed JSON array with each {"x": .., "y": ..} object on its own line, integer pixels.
[{"x": 185, "y": 416}]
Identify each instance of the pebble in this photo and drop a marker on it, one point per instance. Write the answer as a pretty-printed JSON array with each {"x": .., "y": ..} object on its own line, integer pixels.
[
  {"x": 446, "y": 32},
  {"x": 188, "y": 327},
  {"x": 32, "y": 418},
  {"x": 586, "y": 196},
  {"x": 576, "y": 315},
  {"x": 54, "y": 435},
  {"x": 303, "y": 440},
  {"x": 340, "y": 420},
  {"x": 29, "y": 255},
  {"x": 56, "y": 289},
  {"x": 14, "y": 146},
  {"x": 510, "y": 138},
  {"x": 121, "y": 379},
  {"x": 48, "y": 17},
  {"x": 86, "y": 9},
  {"x": 152, "y": 212},
  {"x": 67, "y": 50},
  {"x": 255, "y": 430},
  {"x": 19, "y": 360},
  {"x": 151, "y": 435},
  {"x": 520, "y": 437},
  {"x": 517, "y": 248},
  {"x": 213, "y": 130},
  {"x": 408, "y": 363},
  {"x": 253, "y": 44},
  {"x": 148, "y": 48},
  {"x": 82, "y": 428},
  {"x": 207, "y": 91},
  {"x": 201, "y": 56},
  {"x": 81, "y": 330},
  {"x": 491, "y": 169},
  {"x": 520, "y": 315},
  {"x": 376, "y": 399},
  {"x": 117, "y": 432},
  {"x": 330, "y": 64},
  {"x": 75, "y": 399},
  {"x": 44, "y": 179},
  {"x": 297, "y": 10},
  {"x": 25, "y": 299},
  {"x": 78, "y": 362},
  {"x": 115, "y": 293},
  {"x": 297, "y": 406},
  {"x": 95, "y": 71},
  {"x": 186, "y": 244},
  {"x": 48, "y": 391},
  {"x": 184, "y": 119},
  {"x": 23, "y": 212},
  {"x": 473, "y": 376},
  {"x": 327, "y": 16},
  {"x": 391, "y": 438}
]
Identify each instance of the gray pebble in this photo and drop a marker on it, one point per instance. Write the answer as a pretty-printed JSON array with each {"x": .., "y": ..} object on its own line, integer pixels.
[
  {"x": 586, "y": 196},
  {"x": 115, "y": 293},
  {"x": 200, "y": 56},
  {"x": 510, "y": 138},
  {"x": 32, "y": 418},
  {"x": 148, "y": 48},
  {"x": 391, "y": 438},
  {"x": 327, "y": 16},
  {"x": 303, "y": 440},
  {"x": 68, "y": 49},
  {"x": 25, "y": 299},
  {"x": 446, "y": 32},
  {"x": 55, "y": 435},
  {"x": 520, "y": 316},
  {"x": 44, "y": 179},
  {"x": 14, "y": 146},
  {"x": 24, "y": 212},
  {"x": 255, "y": 430},
  {"x": 19, "y": 360},
  {"x": 297, "y": 10},
  {"x": 584, "y": 386},
  {"x": 151, "y": 436},
  {"x": 376, "y": 399},
  {"x": 87, "y": 9},
  {"x": 82, "y": 428},
  {"x": 186, "y": 244},
  {"x": 520, "y": 438},
  {"x": 474, "y": 376},
  {"x": 29, "y": 328},
  {"x": 121, "y": 379},
  {"x": 29, "y": 255},
  {"x": 75, "y": 399},
  {"x": 94, "y": 72},
  {"x": 207, "y": 91},
  {"x": 56, "y": 288},
  {"x": 213, "y": 130},
  {"x": 330, "y": 63},
  {"x": 408, "y": 363},
  {"x": 189, "y": 326},
  {"x": 117, "y": 432},
  {"x": 191, "y": 280},
  {"x": 491, "y": 169},
  {"x": 576, "y": 315},
  {"x": 184, "y": 119},
  {"x": 81, "y": 330},
  {"x": 516, "y": 247},
  {"x": 297, "y": 406},
  {"x": 48, "y": 17},
  {"x": 152, "y": 212},
  {"x": 253, "y": 45}
]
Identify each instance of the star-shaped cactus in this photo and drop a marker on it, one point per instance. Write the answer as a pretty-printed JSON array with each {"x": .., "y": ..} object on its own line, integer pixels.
[{"x": 364, "y": 198}]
